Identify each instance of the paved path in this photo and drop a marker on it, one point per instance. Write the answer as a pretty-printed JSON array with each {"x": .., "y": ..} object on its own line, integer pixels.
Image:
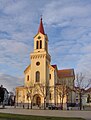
[{"x": 58, "y": 113}]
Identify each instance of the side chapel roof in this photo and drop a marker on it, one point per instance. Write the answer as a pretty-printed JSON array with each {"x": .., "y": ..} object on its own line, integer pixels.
[{"x": 66, "y": 73}]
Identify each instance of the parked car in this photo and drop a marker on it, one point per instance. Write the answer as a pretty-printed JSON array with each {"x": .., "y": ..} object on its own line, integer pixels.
[
  {"x": 51, "y": 107},
  {"x": 54, "y": 107}
]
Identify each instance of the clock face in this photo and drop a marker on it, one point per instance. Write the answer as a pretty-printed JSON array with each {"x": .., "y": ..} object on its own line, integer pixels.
[
  {"x": 37, "y": 63},
  {"x": 39, "y": 37}
]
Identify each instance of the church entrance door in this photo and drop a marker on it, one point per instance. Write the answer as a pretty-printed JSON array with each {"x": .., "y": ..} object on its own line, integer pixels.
[{"x": 38, "y": 100}]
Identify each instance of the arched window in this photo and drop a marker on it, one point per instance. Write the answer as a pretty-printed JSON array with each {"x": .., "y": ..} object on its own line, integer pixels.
[
  {"x": 37, "y": 45},
  {"x": 49, "y": 76},
  {"x": 37, "y": 76},
  {"x": 50, "y": 96},
  {"x": 46, "y": 45},
  {"x": 27, "y": 77},
  {"x": 40, "y": 44}
]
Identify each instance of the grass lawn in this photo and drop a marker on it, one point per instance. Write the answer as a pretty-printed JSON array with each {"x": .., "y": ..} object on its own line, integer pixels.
[{"x": 4, "y": 116}]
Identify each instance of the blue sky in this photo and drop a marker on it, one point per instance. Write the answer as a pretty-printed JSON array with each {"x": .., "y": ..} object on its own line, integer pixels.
[{"x": 67, "y": 24}]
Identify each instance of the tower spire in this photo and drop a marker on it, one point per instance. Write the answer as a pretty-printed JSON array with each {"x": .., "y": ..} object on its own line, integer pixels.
[{"x": 41, "y": 28}]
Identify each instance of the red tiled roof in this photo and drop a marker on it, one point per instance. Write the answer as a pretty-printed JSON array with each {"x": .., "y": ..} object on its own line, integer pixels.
[
  {"x": 88, "y": 90},
  {"x": 66, "y": 73},
  {"x": 41, "y": 28}
]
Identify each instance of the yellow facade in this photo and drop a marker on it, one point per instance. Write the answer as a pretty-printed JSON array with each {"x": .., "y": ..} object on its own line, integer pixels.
[{"x": 41, "y": 78}]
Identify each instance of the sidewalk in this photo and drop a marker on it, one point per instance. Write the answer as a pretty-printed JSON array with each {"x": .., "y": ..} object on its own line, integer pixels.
[{"x": 56, "y": 113}]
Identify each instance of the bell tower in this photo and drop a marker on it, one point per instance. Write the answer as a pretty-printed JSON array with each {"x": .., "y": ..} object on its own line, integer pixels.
[
  {"x": 40, "y": 58},
  {"x": 41, "y": 39}
]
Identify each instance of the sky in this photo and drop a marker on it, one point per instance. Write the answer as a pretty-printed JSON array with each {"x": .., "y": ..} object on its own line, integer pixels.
[{"x": 67, "y": 24}]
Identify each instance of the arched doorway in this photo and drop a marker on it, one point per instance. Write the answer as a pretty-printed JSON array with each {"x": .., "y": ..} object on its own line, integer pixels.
[{"x": 38, "y": 100}]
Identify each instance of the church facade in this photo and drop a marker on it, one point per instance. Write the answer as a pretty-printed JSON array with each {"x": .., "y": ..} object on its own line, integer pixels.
[{"x": 44, "y": 84}]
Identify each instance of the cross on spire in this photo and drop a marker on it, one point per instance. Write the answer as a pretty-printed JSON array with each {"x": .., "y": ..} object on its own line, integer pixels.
[{"x": 41, "y": 16}]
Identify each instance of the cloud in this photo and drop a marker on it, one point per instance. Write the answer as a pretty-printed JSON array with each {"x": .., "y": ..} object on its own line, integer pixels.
[
  {"x": 66, "y": 11},
  {"x": 12, "y": 49},
  {"x": 14, "y": 57},
  {"x": 71, "y": 19},
  {"x": 10, "y": 82},
  {"x": 67, "y": 23}
]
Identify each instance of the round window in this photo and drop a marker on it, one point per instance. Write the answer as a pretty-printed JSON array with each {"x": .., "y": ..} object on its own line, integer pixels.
[
  {"x": 37, "y": 63},
  {"x": 39, "y": 37}
]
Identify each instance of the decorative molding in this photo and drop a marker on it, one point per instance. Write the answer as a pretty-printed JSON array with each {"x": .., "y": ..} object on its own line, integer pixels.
[{"x": 38, "y": 56}]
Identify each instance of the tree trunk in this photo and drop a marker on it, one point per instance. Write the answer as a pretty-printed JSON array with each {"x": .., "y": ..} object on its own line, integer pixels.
[
  {"x": 80, "y": 95},
  {"x": 62, "y": 102},
  {"x": 31, "y": 104},
  {"x": 44, "y": 103}
]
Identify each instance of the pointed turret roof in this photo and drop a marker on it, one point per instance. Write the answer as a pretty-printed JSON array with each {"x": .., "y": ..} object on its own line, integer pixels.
[{"x": 41, "y": 28}]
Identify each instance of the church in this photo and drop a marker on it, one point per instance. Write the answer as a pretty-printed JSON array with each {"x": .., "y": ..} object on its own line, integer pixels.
[{"x": 44, "y": 84}]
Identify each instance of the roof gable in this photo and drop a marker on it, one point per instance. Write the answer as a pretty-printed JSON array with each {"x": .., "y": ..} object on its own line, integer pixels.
[
  {"x": 54, "y": 66},
  {"x": 28, "y": 67}
]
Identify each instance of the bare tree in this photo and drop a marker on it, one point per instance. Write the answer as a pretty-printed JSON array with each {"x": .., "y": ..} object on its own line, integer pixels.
[
  {"x": 29, "y": 95},
  {"x": 37, "y": 88},
  {"x": 61, "y": 92},
  {"x": 82, "y": 84},
  {"x": 45, "y": 90}
]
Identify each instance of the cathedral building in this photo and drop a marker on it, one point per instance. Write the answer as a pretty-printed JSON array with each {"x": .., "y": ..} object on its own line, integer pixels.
[{"x": 44, "y": 84}]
